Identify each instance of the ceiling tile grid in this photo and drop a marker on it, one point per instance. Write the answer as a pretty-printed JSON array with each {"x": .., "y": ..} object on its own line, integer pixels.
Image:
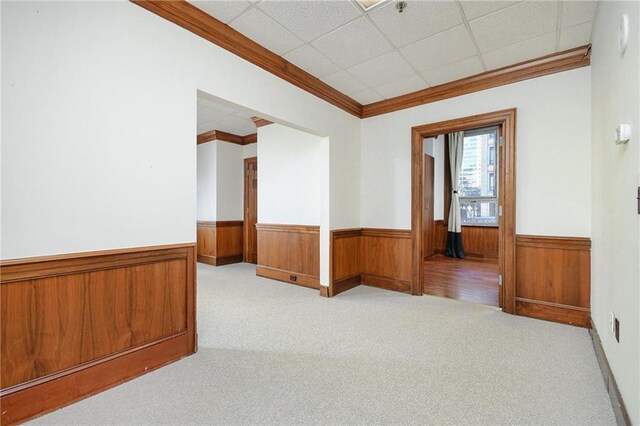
[
  {"x": 381, "y": 53},
  {"x": 214, "y": 116}
]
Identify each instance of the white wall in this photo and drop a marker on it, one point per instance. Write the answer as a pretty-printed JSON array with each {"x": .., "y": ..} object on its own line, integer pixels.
[
  {"x": 99, "y": 112},
  {"x": 230, "y": 181},
  {"x": 251, "y": 150},
  {"x": 615, "y": 276},
  {"x": 293, "y": 182},
  {"x": 552, "y": 154},
  {"x": 207, "y": 180}
]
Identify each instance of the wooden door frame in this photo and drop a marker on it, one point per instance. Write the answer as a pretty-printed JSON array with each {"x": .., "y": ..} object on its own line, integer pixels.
[
  {"x": 506, "y": 119},
  {"x": 245, "y": 227}
]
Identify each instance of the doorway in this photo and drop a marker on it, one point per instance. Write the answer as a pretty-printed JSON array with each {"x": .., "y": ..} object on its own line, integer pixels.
[
  {"x": 477, "y": 271},
  {"x": 250, "y": 246}
]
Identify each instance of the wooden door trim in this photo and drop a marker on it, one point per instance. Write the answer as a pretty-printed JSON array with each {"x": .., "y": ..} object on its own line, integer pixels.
[
  {"x": 245, "y": 213},
  {"x": 507, "y": 197}
]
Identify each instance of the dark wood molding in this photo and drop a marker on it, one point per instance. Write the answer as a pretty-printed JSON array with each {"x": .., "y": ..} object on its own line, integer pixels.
[
  {"x": 250, "y": 210},
  {"x": 506, "y": 119},
  {"x": 324, "y": 291},
  {"x": 219, "y": 260},
  {"x": 259, "y": 122},
  {"x": 219, "y": 135},
  {"x": 283, "y": 275},
  {"x": 545, "y": 65},
  {"x": 220, "y": 242},
  {"x": 553, "y": 278},
  {"x": 386, "y": 233},
  {"x": 617, "y": 403},
  {"x": 386, "y": 283},
  {"x": 344, "y": 284},
  {"x": 112, "y": 350},
  {"x": 220, "y": 223},
  {"x": 204, "y": 25},
  {"x": 297, "y": 229}
]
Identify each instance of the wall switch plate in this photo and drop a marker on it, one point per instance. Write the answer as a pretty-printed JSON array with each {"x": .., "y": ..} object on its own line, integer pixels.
[{"x": 623, "y": 134}]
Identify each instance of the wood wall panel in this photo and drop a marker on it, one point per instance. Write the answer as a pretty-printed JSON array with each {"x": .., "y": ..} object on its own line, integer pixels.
[
  {"x": 68, "y": 314},
  {"x": 220, "y": 242},
  {"x": 553, "y": 278},
  {"x": 477, "y": 241},
  {"x": 376, "y": 257},
  {"x": 289, "y": 253}
]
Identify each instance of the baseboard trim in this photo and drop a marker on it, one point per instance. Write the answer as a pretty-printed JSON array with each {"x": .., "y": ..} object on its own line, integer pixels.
[
  {"x": 285, "y": 276},
  {"x": 52, "y": 394},
  {"x": 344, "y": 284},
  {"x": 565, "y": 314},
  {"x": 620, "y": 411},
  {"x": 324, "y": 291},
  {"x": 219, "y": 261},
  {"x": 386, "y": 283}
]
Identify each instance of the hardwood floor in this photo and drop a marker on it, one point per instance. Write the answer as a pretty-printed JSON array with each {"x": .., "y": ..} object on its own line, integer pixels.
[{"x": 469, "y": 280}]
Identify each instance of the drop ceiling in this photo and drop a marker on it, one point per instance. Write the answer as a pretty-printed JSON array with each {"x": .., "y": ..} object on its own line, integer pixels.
[
  {"x": 215, "y": 116},
  {"x": 381, "y": 54}
]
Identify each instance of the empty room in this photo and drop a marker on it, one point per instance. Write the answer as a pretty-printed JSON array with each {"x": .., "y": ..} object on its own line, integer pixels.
[{"x": 320, "y": 212}]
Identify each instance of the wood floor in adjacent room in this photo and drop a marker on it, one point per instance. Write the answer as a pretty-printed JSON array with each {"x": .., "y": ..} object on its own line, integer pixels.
[{"x": 469, "y": 280}]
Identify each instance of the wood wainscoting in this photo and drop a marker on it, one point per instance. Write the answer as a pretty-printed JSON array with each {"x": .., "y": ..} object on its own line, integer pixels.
[
  {"x": 74, "y": 325},
  {"x": 553, "y": 278},
  {"x": 477, "y": 241},
  {"x": 220, "y": 242},
  {"x": 289, "y": 253},
  {"x": 371, "y": 256}
]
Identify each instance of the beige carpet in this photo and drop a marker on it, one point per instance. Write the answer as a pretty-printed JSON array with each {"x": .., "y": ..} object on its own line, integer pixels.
[{"x": 274, "y": 353}]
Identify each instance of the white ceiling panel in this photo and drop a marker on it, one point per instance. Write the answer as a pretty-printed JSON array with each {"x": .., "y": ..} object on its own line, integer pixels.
[
  {"x": 353, "y": 43},
  {"x": 436, "y": 51},
  {"x": 405, "y": 85},
  {"x": 312, "y": 61},
  {"x": 383, "y": 69},
  {"x": 367, "y": 96},
  {"x": 344, "y": 82},
  {"x": 477, "y": 9},
  {"x": 577, "y": 12},
  {"x": 419, "y": 20},
  {"x": 514, "y": 24},
  {"x": 267, "y": 32},
  {"x": 451, "y": 72},
  {"x": 222, "y": 10},
  {"x": 310, "y": 19},
  {"x": 519, "y": 52},
  {"x": 575, "y": 36}
]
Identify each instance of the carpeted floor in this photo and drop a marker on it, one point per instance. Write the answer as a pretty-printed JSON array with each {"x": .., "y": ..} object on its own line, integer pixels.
[{"x": 274, "y": 353}]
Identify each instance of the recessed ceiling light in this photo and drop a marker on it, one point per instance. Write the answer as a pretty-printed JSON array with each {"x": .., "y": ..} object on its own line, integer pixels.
[{"x": 367, "y": 5}]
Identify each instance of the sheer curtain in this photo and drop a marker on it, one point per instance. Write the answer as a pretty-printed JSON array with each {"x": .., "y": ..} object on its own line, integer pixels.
[{"x": 454, "y": 236}]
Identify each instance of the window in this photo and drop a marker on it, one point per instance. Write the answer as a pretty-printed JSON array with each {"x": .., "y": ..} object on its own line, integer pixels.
[{"x": 477, "y": 185}]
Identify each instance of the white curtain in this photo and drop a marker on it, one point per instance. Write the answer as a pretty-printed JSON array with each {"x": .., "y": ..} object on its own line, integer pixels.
[{"x": 454, "y": 237}]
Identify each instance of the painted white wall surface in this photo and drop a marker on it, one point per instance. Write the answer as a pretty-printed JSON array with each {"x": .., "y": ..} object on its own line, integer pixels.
[
  {"x": 553, "y": 154},
  {"x": 111, "y": 161},
  {"x": 230, "y": 181},
  {"x": 435, "y": 148},
  {"x": 250, "y": 150},
  {"x": 615, "y": 270},
  {"x": 206, "y": 185},
  {"x": 293, "y": 181}
]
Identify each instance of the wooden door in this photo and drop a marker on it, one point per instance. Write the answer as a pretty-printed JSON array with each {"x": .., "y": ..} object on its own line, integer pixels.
[
  {"x": 250, "y": 249},
  {"x": 429, "y": 176}
]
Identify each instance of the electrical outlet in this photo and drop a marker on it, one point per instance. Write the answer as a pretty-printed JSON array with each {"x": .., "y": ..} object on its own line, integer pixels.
[{"x": 293, "y": 278}]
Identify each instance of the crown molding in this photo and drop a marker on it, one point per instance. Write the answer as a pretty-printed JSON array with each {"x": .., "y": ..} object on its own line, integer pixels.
[
  {"x": 218, "y": 135},
  {"x": 206, "y": 26},
  {"x": 259, "y": 122},
  {"x": 549, "y": 64}
]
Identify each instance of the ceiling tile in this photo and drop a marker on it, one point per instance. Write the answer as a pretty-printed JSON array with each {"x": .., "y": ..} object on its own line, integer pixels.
[
  {"x": 265, "y": 31},
  {"x": 476, "y": 9},
  {"x": 312, "y": 61},
  {"x": 344, "y": 82},
  {"x": 205, "y": 127},
  {"x": 518, "y": 52},
  {"x": 383, "y": 69},
  {"x": 451, "y": 72},
  {"x": 576, "y": 36},
  {"x": 400, "y": 87},
  {"x": 367, "y": 96},
  {"x": 223, "y": 10},
  {"x": 441, "y": 49},
  {"x": 420, "y": 19},
  {"x": 517, "y": 23},
  {"x": 310, "y": 19},
  {"x": 577, "y": 12},
  {"x": 353, "y": 43}
]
